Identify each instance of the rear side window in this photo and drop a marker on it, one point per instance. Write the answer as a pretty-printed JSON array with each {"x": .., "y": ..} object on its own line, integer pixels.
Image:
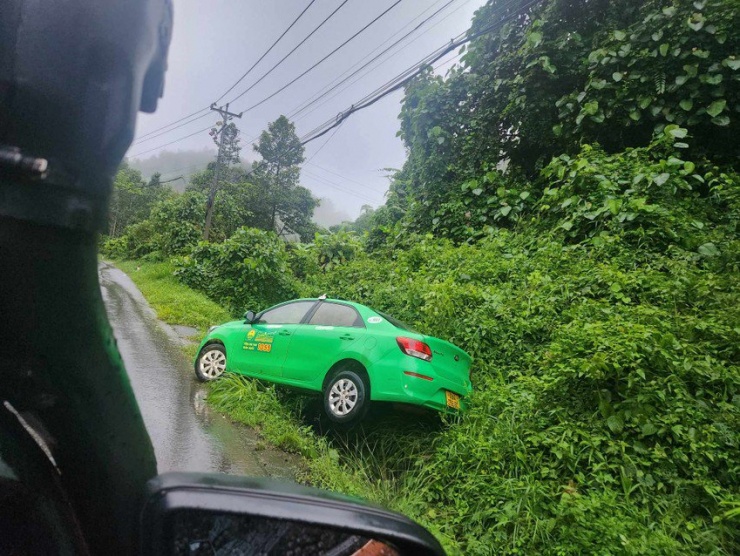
[
  {"x": 290, "y": 313},
  {"x": 397, "y": 323},
  {"x": 333, "y": 314}
]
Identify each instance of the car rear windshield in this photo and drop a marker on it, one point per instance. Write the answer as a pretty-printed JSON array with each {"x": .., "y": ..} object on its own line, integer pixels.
[{"x": 397, "y": 323}]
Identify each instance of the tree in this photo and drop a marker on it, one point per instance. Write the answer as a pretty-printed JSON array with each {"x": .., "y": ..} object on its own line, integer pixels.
[
  {"x": 132, "y": 199},
  {"x": 554, "y": 76},
  {"x": 277, "y": 175}
]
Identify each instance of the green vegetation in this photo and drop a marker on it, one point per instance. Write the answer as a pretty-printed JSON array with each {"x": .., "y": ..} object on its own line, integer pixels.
[
  {"x": 569, "y": 213},
  {"x": 173, "y": 302}
]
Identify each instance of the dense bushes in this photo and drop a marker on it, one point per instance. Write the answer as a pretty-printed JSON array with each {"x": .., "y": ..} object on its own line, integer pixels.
[
  {"x": 606, "y": 360},
  {"x": 606, "y": 391},
  {"x": 247, "y": 271}
]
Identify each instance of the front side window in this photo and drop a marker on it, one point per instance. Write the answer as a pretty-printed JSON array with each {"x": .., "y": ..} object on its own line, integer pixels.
[
  {"x": 290, "y": 313},
  {"x": 333, "y": 314}
]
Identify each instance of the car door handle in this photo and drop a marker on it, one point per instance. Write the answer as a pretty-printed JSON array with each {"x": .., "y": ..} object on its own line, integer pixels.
[
  {"x": 346, "y": 337},
  {"x": 285, "y": 332}
]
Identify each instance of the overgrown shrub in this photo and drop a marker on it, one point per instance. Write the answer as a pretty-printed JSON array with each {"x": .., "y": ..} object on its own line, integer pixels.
[{"x": 247, "y": 271}]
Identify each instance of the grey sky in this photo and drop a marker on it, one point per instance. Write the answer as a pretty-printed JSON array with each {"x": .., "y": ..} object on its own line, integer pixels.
[{"x": 216, "y": 41}]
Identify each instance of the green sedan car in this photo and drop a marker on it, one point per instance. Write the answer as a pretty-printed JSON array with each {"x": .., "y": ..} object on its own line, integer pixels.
[{"x": 348, "y": 352}]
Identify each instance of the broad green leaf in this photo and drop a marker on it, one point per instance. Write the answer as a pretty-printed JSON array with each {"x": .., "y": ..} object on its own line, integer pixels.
[
  {"x": 709, "y": 250},
  {"x": 664, "y": 49},
  {"x": 687, "y": 104},
  {"x": 619, "y": 35},
  {"x": 534, "y": 39},
  {"x": 523, "y": 195},
  {"x": 660, "y": 179},
  {"x": 505, "y": 210},
  {"x": 591, "y": 107},
  {"x": 477, "y": 191},
  {"x": 721, "y": 120},
  {"x": 649, "y": 429},
  {"x": 696, "y": 22},
  {"x": 598, "y": 84},
  {"x": 617, "y": 76},
  {"x": 716, "y": 108},
  {"x": 677, "y": 132},
  {"x": 615, "y": 423},
  {"x": 732, "y": 63}
]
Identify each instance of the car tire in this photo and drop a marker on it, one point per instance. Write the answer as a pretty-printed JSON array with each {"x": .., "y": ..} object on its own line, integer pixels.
[
  {"x": 346, "y": 397},
  {"x": 211, "y": 362}
]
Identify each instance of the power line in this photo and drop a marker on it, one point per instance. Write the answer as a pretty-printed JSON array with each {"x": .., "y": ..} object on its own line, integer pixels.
[
  {"x": 206, "y": 110},
  {"x": 341, "y": 176},
  {"x": 324, "y": 145},
  {"x": 358, "y": 33},
  {"x": 338, "y": 187},
  {"x": 391, "y": 86},
  {"x": 274, "y": 67},
  {"x": 264, "y": 75},
  {"x": 315, "y": 99},
  {"x": 406, "y": 76},
  {"x": 171, "y": 142},
  {"x": 266, "y": 51},
  {"x": 145, "y": 139}
]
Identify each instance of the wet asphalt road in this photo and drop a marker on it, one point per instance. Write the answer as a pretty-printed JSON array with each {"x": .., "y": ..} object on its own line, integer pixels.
[{"x": 186, "y": 434}]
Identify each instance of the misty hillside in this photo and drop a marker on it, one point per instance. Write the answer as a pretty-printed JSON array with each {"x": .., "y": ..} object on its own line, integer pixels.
[{"x": 173, "y": 164}]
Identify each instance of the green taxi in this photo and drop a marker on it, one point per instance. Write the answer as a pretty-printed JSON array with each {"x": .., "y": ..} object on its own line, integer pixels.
[{"x": 350, "y": 353}]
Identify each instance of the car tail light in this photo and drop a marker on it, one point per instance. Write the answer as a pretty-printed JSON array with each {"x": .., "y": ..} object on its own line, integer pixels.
[{"x": 414, "y": 348}]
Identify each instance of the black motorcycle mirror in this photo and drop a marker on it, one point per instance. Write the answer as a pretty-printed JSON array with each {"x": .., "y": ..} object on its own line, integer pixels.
[{"x": 190, "y": 513}]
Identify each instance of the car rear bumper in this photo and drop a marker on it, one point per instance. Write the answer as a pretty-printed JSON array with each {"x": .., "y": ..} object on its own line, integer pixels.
[{"x": 417, "y": 383}]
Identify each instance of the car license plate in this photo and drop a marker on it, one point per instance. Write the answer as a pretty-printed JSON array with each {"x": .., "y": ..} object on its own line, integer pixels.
[{"x": 453, "y": 400}]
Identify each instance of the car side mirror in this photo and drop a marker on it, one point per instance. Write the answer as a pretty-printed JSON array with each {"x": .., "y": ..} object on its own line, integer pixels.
[
  {"x": 194, "y": 513},
  {"x": 249, "y": 317}
]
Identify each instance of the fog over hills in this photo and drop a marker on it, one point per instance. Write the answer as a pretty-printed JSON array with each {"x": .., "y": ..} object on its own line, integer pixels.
[{"x": 185, "y": 163}]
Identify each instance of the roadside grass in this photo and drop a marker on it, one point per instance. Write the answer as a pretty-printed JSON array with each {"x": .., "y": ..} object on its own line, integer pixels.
[
  {"x": 376, "y": 461},
  {"x": 367, "y": 462}
]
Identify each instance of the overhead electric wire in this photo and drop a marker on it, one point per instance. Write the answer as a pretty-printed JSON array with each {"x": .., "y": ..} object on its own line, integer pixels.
[
  {"x": 394, "y": 84},
  {"x": 171, "y": 142},
  {"x": 324, "y": 145},
  {"x": 206, "y": 109},
  {"x": 274, "y": 67},
  {"x": 402, "y": 79},
  {"x": 145, "y": 139},
  {"x": 337, "y": 49},
  {"x": 338, "y": 187},
  {"x": 300, "y": 15},
  {"x": 341, "y": 176},
  {"x": 334, "y": 86},
  {"x": 142, "y": 138}
]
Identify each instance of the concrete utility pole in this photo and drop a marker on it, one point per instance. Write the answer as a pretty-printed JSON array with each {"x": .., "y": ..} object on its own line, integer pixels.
[{"x": 225, "y": 117}]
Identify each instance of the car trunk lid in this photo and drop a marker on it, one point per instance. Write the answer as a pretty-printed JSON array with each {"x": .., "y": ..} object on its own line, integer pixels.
[{"x": 449, "y": 361}]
